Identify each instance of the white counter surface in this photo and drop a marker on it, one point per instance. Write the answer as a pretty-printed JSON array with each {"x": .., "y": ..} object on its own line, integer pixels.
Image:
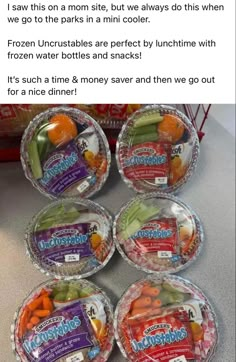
[{"x": 210, "y": 193}]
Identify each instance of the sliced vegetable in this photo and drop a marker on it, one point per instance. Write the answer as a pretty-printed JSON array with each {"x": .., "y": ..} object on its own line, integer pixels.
[
  {"x": 36, "y": 303},
  {"x": 131, "y": 229},
  {"x": 47, "y": 304},
  {"x": 34, "y": 160},
  {"x": 151, "y": 291},
  {"x": 41, "y": 313},
  {"x": 142, "y": 138},
  {"x": 148, "y": 119},
  {"x": 143, "y": 130},
  {"x": 34, "y": 320},
  {"x": 142, "y": 302}
]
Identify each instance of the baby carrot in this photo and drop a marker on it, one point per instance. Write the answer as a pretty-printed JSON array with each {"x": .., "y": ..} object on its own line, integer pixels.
[
  {"x": 41, "y": 313},
  {"x": 142, "y": 302},
  {"x": 44, "y": 292},
  {"x": 34, "y": 320},
  {"x": 151, "y": 291},
  {"x": 35, "y": 304},
  {"x": 139, "y": 311},
  {"x": 156, "y": 303},
  {"x": 29, "y": 326},
  {"x": 47, "y": 304},
  {"x": 23, "y": 322}
]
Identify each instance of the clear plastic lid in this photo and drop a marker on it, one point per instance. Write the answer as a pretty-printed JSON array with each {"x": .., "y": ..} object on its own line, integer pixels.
[
  {"x": 156, "y": 232},
  {"x": 165, "y": 318},
  {"x": 157, "y": 149},
  {"x": 65, "y": 153},
  {"x": 64, "y": 321},
  {"x": 70, "y": 238}
]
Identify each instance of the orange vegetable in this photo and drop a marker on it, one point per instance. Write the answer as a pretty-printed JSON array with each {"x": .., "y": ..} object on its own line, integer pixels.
[
  {"x": 62, "y": 129},
  {"x": 139, "y": 311},
  {"x": 36, "y": 303},
  {"x": 44, "y": 292},
  {"x": 41, "y": 313},
  {"x": 142, "y": 302},
  {"x": 47, "y": 304},
  {"x": 23, "y": 322},
  {"x": 29, "y": 326},
  {"x": 95, "y": 240},
  {"x": 34, "y": 320},
  {"x": 171, "y": 128},
  {"x": 156, "y": 303},
  {"x": 150, "y": 291}
]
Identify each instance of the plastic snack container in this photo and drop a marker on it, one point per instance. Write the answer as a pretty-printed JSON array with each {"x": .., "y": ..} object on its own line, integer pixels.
[
  {"x": 64, "y": 321},
  {"x": 165, "y": 318},
  {"x": 157, "y": 233},
  {"x": 157, "y": 150},
  {"x": 70, "y": 238},
  {"x": 64, "y": 153}
]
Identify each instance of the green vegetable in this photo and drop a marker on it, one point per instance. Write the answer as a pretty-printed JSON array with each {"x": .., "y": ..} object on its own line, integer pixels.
[
  {"x": 169, "y": 287},
  {"x": 61, "y": 297},
  {"x": 147, "y": 119},
  {"x": 46, "y": 223},
  {"x": 179, "y": 297},
  {"x": 131, "y": 229},
  {"x": 43, "y": 142},
  {"x": 85, "y": 292},
  {"x": 60, "y": 287},
  {"x": 147, "y": 214},
  {"x": 34, "y": 160},
  {"x": 141, "y": 138},
  {"x": 151, "y": 128},
  {"x": 165, "y": 297},
  {"x": 72, "y": 294}
]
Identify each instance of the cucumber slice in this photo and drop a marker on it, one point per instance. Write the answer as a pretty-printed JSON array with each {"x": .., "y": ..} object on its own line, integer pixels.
[
  {"x": 148, "y": 119},
  {"x": 142, "y": 138},
  {"x": 34, "y": 160}
]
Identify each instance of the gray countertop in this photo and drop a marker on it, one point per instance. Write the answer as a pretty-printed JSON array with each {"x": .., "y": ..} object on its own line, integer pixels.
[{"x": 210, "y": 193}]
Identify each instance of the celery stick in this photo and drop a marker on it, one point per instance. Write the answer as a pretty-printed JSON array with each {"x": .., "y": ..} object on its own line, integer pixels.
[
  {"x": 148, "y": 119},
  {"x": 131, "y": 229},
  {"x": 151, "y": 128},
  {"x": 147, "y": 137},
  {"x": 147, "y": 214},
  {"x": 34, "y": 160},
  {"x": 58, "y": 219},
  {"x": 57, "y": 210}
]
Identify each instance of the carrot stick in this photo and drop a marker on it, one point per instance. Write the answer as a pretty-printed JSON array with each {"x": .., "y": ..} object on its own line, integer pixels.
[
  {"x": 47, "y": 304},
  {"x": 151, "y": 291},
  {"x": 44, "y": 292},
  {"x": 41, "y": 313},
  {"x": 142, "y": 302},
  {"x": 29, "y": 326},
  {"x": 23, "y": 322},
  {"x": 35, "y": 304},
  {"x": 139, "y": 311},
  {"x": 156, "y": 303},
  {"x": 34, "y": 320}
]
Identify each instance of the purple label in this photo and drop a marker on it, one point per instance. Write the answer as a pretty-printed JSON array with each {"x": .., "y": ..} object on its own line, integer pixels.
[
  {"x": 63, "y": 168},
  {"x": 66, "y": 330},
  {"x": 61, "y": 243}
]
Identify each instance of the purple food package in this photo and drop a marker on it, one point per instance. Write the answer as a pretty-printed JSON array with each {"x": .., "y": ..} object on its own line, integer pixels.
[
  {"x": 62, "y": 244},
  {"x": 63, "y": 168},
  {"x": 65, "y": 331}
]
